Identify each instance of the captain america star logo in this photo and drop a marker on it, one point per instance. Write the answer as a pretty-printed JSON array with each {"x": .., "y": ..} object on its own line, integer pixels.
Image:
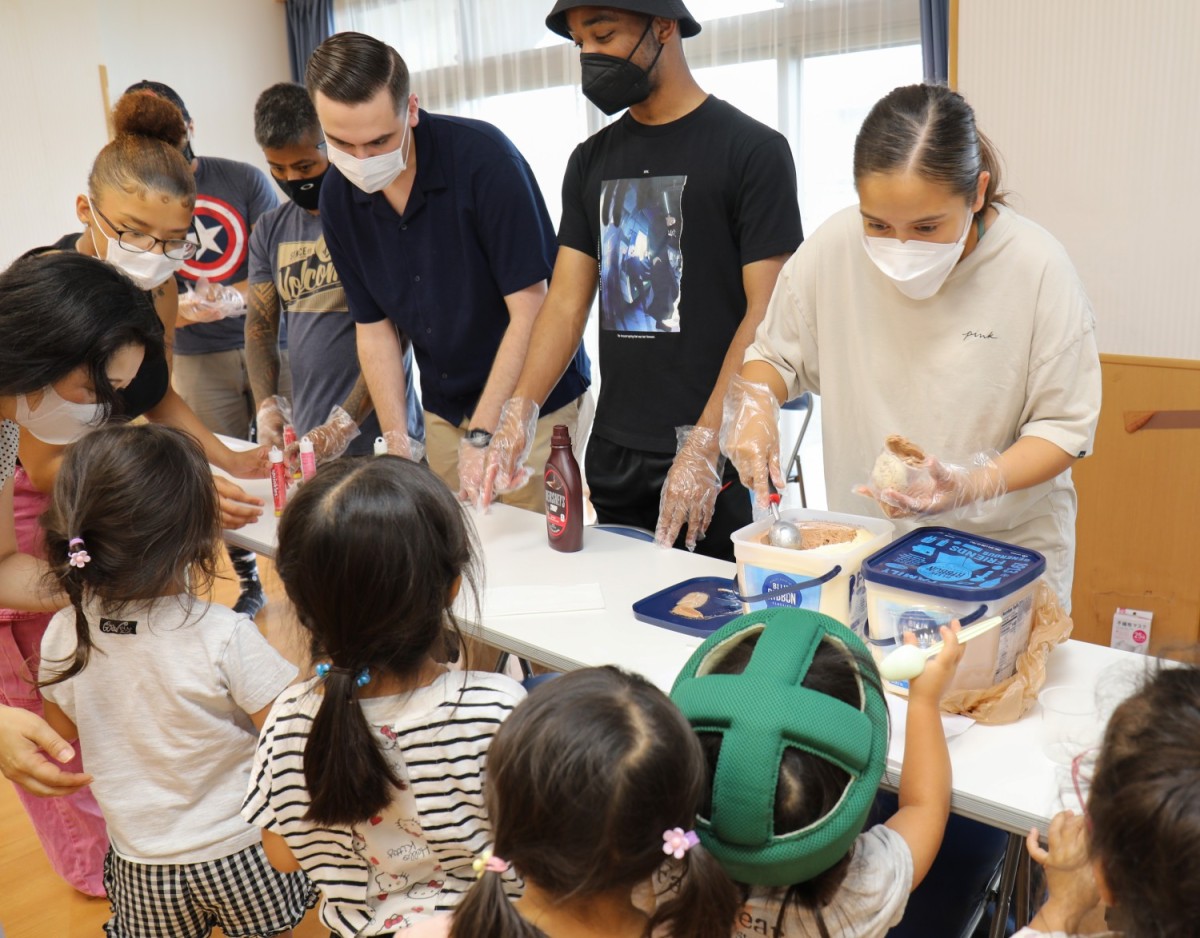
[{"x": 222, "y": 239}]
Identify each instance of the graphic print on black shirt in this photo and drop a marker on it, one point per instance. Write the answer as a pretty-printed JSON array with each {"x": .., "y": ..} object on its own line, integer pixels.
[
  {"x": 641, "y": 265},
  {"x": 222, "y": 238}
]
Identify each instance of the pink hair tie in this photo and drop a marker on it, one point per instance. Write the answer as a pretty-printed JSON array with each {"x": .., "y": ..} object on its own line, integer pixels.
[
  {"x": 487, "y": 862},
  {"x": 677, "y": 842},
  {"x": 77, "y": 557}
]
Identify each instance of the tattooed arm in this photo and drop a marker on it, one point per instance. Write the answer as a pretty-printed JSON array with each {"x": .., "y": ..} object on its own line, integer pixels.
[{"x": 262, "y": 341}]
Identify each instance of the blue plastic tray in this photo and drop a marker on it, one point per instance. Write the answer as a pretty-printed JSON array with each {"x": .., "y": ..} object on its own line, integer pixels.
[{"x": 721, "y": 606}]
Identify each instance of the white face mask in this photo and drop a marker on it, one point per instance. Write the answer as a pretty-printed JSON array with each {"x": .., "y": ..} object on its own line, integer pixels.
[
  {"x": 147, "y": 269},
  {"x": 917, "y": 268},
  {"x": 374, "y": 172},
  {"x": 56, "y": 420}
]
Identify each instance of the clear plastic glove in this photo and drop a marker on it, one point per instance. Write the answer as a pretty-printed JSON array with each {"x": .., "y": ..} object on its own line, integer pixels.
[
  {"x": 1069, "y": 879},
  {"x": 931, "y": 487},
  {"x": 403, "y": 445},
  {"x": 273, "y": 415},
  {"x": 329, "y": 440},
  {"x": 472, "y": 460},
  {"x": 505, "y": 470},
  {"x": 209, "y": 302},
  {"x": 689, "y": 494},
  {"x": 750, "y": 436}
]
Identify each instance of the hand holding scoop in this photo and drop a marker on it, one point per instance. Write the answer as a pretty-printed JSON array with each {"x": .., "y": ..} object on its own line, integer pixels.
[{"x": 908, "y": 661}]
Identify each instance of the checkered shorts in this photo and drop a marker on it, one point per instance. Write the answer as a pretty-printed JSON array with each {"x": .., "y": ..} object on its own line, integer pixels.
[{"x": 242, "y": 894}]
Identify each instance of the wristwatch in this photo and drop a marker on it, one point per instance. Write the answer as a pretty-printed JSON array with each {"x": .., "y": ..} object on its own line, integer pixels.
[{"x": 479, "y": 438}]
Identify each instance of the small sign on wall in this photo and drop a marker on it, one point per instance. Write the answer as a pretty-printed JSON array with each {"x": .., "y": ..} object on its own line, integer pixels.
[{"x": 1131, "y": 630}]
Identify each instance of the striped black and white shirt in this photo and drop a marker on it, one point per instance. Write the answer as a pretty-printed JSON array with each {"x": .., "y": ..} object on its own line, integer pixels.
[{"x": 413, "y": 859}]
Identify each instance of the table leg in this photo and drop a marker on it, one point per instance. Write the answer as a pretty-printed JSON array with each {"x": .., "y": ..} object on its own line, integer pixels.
[
  {"x": 1024, "y": 899},
  {"x": 1008, "y": 880}
]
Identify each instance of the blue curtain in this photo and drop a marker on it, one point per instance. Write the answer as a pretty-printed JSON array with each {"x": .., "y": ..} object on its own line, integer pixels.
[
  {"x": 309, "y": 23},
  {"x": 935, "y": 40}
]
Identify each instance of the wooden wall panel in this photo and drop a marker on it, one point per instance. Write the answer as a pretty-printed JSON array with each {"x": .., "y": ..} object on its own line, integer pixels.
[{"x": 1138, "y": 533}]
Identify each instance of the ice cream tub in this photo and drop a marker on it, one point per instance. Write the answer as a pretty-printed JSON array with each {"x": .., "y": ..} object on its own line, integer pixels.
[
  {"x": 931, "y": 576},
  {"x": 825, "y": 577}
]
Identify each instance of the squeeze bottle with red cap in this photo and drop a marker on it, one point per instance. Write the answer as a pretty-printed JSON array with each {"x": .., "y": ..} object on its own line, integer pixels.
[
  {"x": 564, "y": 494},
  {"x": 279, "y": 479},
  {"x": 308, "y": 458}
]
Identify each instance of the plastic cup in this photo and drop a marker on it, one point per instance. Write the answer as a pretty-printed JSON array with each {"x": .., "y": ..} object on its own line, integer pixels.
[{"x": 1069, "y": 721}]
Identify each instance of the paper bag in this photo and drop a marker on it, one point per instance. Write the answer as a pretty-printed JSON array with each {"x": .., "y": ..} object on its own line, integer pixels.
[{"x": 1007, "y": 701}]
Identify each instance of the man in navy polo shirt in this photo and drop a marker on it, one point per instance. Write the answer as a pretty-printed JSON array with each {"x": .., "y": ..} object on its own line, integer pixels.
[{"x": 438, "y": 229}]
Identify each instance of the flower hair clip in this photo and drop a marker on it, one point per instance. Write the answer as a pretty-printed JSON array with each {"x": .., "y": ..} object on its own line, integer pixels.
[
  {"x": 362, "y": 679},
  {"x": 77, "y": 556},
  {"x": 677, "y": 842},
  {"x": 487, "y": 862}
]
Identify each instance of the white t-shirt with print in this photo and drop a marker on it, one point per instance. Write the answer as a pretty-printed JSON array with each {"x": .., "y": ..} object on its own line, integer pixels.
[
  {"x": 161, "y": 709},
  {"x": 871, "y": 899},
  {"x": 413, "y": 859},
  {"x": 10, "y": 439}
]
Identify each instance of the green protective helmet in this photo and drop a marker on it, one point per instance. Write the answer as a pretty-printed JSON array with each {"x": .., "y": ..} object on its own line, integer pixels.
[{"x": 761, "y": 712}]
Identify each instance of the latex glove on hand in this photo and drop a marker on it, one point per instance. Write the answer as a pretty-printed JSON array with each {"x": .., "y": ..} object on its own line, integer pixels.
[
  {"x": 273, "y": 415},
  {"x": 689, "y": 495},
  {"x": 209, "y": 302},
  {"x": 329, "y": 440},
  {"x": 505, "y": 469},
  {"x": 750, "y": 436},
  {"x": 961, "y": 491},
  {"x": 402, "y": 445},
  {"x": 472, "y": 460}
]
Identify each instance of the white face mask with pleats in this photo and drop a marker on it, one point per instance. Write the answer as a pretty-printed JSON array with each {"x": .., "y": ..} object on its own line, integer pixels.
[
  {"x": 56, "y": 420},
  {"x": 147, "y": 269},
  {"x": 374, "y": 172},
  {"x": 917, "y": 268}
]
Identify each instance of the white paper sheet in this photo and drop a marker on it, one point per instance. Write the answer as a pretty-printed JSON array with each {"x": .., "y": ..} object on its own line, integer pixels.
[
  {"x": 953, "y": 724},
  {"x": 530, "y": 600}
]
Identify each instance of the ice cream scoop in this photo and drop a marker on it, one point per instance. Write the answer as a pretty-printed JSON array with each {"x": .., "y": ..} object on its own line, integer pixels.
[
  {"x": 782, "y": 533},
  {"x": 908, "y": 661}
]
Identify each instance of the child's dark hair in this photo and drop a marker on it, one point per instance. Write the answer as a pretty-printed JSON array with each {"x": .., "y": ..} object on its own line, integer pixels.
[
  {"x": 809, "y": 786},
  {"x": 142, "y": 500},
  {"x": 1145, "y": 806},
  {"x": 369, "y": 553},
  {"x": 583, "y": 779},
  {"x": 62, "y": 310}
]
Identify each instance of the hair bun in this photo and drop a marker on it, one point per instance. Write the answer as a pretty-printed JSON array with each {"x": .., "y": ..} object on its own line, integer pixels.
[{"x": 147, "y": 115}]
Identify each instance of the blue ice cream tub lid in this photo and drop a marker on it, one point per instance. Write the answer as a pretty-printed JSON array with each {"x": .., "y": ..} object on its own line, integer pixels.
[
  {"x": 698, "y": 606},
  {"x": 954, "y": 565}
]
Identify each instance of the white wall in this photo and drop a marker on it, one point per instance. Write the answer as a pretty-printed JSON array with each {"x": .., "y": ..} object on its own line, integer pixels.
[
  {"x": 218, "y": 55},
  {"x": 1093, "y": 105}
]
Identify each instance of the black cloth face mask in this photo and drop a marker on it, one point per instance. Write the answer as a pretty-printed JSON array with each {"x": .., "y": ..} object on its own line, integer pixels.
[
  {"x": 304, "y": 192},
  {"x": 612, "y": 83}
]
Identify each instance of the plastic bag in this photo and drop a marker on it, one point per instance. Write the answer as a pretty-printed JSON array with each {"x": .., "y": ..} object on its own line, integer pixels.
[{"x": 1009, "y": 700}]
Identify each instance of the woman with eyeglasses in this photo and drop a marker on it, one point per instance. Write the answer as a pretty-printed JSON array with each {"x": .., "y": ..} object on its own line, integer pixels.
[{"x": 136, "y": 213}]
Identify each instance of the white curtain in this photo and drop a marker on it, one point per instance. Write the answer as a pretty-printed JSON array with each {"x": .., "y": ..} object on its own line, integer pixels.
[{"x": 811, "y": 68}]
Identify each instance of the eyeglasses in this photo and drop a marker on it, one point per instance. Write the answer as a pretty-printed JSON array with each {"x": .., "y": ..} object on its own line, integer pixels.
[
  {"x": 1082, "y": 767},
  {"x": 138, "y": 242}
]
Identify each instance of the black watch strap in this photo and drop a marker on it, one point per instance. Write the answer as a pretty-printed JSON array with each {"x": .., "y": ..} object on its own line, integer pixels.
[{"x": 479, "y": 438}]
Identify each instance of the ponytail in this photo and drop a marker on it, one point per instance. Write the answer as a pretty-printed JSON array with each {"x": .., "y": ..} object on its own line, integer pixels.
[
  {"x": 347, "y": 775},
  {"x": 486, "y": 911},
  {"x": 64, "y": 577},
  {"x": 705, "y": 905}
]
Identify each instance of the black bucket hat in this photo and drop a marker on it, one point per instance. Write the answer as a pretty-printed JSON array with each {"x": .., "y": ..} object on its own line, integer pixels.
[{"x": 667, "y": 9}]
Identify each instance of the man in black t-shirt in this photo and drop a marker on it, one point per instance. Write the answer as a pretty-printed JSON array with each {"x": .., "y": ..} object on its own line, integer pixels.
[{"x": 682, "y": 211}]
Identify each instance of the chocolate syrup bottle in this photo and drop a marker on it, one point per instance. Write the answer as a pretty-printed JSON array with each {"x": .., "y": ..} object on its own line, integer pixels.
[{"x": 564, "y": 494}]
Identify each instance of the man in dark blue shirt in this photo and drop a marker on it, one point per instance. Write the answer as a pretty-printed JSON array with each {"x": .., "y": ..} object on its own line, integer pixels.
[{"x": 437, "y": 228}]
